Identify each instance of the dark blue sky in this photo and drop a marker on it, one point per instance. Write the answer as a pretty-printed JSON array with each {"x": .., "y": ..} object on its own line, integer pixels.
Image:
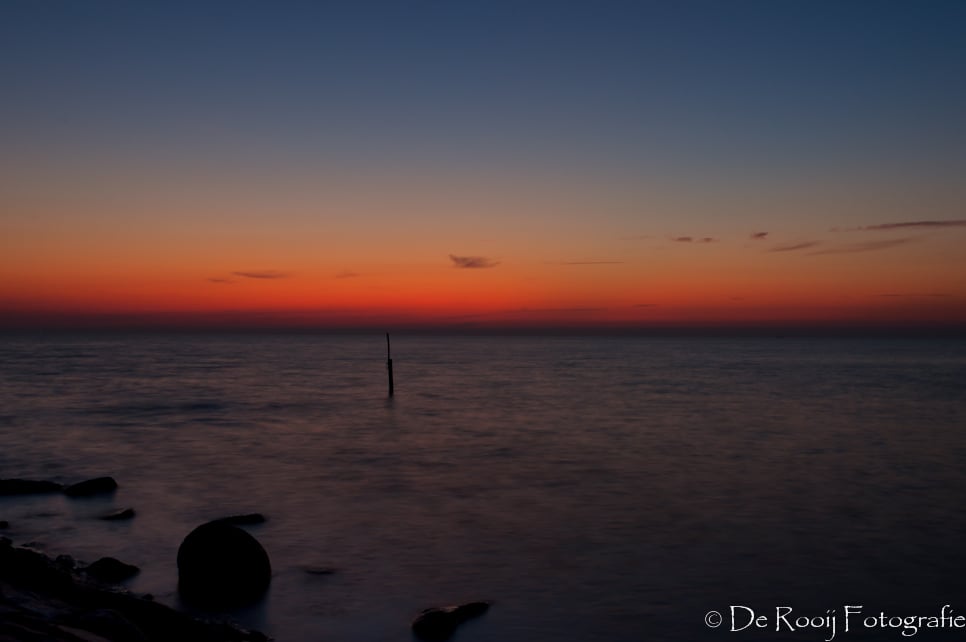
[{"x": 687, "y": 85}]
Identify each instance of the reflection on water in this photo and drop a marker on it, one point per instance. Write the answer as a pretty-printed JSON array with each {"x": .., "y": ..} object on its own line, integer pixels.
[{"x": 595, "y": 489}]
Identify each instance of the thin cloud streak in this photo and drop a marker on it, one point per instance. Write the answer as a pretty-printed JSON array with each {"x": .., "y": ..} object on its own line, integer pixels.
[
  {"x": 908, "y": 224},
  {"x": 924, "y": 295},
  {"x": 795, "y": 246},
  {"x": 263, "y": 274},
  {"x": 759, "y": 236},
  {"x": 691, "y": 239},
  {"x": 566, "y": 310},
  {"x": 472, "y": 262},
  {"x": 863, "y": 247},
  {"x": 588, "y": 263}
]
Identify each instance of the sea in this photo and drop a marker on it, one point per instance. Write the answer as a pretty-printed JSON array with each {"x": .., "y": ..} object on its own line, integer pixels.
[{"x": 593, "y": 488}]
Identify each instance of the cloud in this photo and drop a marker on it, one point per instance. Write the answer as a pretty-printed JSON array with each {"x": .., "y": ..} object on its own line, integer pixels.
[
  {"x": 263, "y": 274},
  {"x": 220, "y": 280},
  {"x": 908, "y": 224},
  {"x": 347, "y": 274},
  {"x": 691, "y": 239},
  {"x": 588, "y": 263},
  {"x": 795, "y": 246},
  {"x": 930, "y": 295},
  {"x": 871, "y": 246},
  {"x": 758, "y": 236},
  {"x": 472, "y": 261},
  {"x": 645, "y": 305},
  {"x": 556, "y": 310}
]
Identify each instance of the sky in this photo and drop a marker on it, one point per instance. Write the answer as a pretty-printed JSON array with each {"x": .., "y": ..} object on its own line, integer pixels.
[{"x": 482, "y": 164}]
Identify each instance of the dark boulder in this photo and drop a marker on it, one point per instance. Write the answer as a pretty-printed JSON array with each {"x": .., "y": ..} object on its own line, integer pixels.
[
  {"x": 221, "y": 565},
  {"x": 440, "y": 623},
  {"x": 28, "y": 487},
  {"x": 113, "y": 516},
  {"x": 4, "y": 523},
  {"x": 90, "y": 487}
]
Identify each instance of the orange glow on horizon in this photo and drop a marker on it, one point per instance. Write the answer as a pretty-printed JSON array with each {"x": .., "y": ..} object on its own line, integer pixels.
[
  {"x": 307, "y": 273},
  {"x": 455, "y": 297}
]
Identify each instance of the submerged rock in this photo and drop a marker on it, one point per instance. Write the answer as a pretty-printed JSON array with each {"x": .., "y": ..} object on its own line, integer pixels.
[
  {"x": 222, "y": 565},
  {"x": 124, "y": 513},
  {"x": 319, "y": 570},
  {"x": 28, "y": 487},
  {"x": 90, "y": 487},
  {"x": 440, "y": 623},
  {"x": 111, "y": 571},
  {"x": 248, "y": 519}
]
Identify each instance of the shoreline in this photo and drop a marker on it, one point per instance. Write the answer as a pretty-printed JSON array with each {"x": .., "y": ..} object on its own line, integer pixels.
[{"x": 56, "y": 600}]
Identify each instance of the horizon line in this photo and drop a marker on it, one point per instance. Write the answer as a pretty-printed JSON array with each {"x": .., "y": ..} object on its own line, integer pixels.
[{"x": 870, "y": 328}]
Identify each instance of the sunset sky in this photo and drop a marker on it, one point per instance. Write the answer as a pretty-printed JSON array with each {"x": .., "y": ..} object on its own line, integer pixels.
[{"x": 482, "y": 164}]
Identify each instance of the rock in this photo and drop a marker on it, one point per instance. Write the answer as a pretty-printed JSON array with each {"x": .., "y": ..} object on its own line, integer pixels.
[
  {"x": 4, "y": 523},
  {"x": 440, "y": 623},
  {"x": 125, "y": 513},
  {"x": 111, "y": 625},
  {"x": 32, "y": 568},
  {"x": 28, "y": 487},
  {"x": 249, "y": 519},
  {"x": 222, "y": 565},
  {"x": 90, "y": 487},
  {"x": 66, "y": 562},
  {"x": 111, "y": 571},
  {"x": 75, "y": 633},
  {"x": 319, "y": 570}
]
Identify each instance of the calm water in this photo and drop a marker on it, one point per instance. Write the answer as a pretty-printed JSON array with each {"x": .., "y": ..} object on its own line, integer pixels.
[{"x": 594, "y": 489}]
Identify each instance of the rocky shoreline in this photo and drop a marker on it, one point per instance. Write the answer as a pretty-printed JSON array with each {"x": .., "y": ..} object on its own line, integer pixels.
[
  {"x": 61, "y": 600},
  {"x": 58, "y": 601}
]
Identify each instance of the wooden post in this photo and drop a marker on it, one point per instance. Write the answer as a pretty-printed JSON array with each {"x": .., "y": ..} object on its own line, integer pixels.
[{"x": 389, "y": 363}]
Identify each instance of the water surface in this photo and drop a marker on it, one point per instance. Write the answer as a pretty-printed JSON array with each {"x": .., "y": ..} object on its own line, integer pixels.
[{"x": 612, "y": 489}]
